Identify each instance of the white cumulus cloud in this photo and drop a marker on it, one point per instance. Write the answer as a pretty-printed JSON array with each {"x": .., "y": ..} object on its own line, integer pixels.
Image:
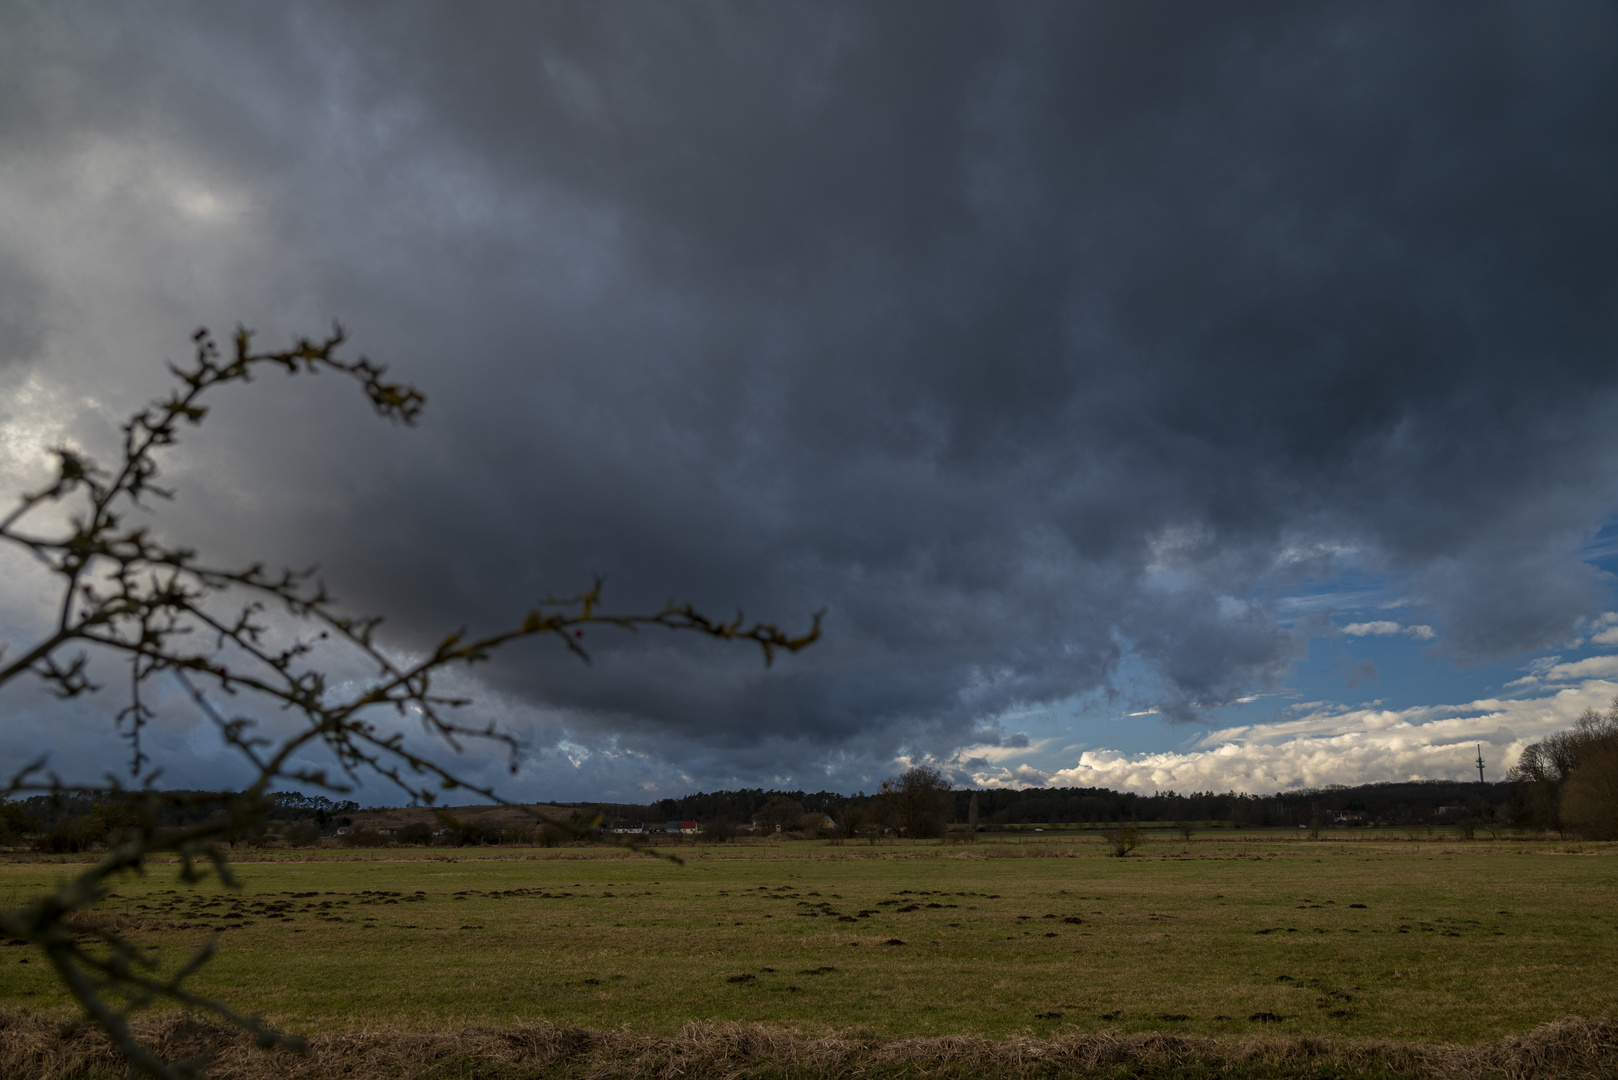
[
  {"x": 1372, "y": 629},
  {"x": 1335, "y": 746},
  {"x": 1386, "y": 628}
]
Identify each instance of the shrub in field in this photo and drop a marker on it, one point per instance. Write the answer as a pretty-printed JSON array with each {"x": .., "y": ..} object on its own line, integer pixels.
[
  {"x": 302, "y": 834},
  {"x": 474, "y": 833},
  {"x": 241, "y": 642},
  {"x": 417, "y": 832},
  {"x": 1122, "y": 838},
  {"x": 70, "y": 835},
  {"x": 15, "y": 823}
]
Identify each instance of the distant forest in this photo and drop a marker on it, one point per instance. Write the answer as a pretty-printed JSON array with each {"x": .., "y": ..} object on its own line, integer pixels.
[{"x": 1407, "y": 803}]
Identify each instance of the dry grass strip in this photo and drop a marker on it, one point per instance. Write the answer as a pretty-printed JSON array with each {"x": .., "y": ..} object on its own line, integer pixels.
[{"x": 40, "y": 1049}]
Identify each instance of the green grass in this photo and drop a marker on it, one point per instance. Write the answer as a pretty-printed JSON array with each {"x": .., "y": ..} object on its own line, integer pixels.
[{"x": 1456, "y": 942}]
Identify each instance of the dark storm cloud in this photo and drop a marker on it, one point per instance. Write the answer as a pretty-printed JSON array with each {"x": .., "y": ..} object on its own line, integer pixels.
[
  {"x": 1019, "y": 338},
  {"x": 21, "y": 293}
]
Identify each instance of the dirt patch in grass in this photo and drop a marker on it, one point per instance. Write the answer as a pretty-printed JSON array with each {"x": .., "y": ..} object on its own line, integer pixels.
[{"x": 45, "y": 1049}]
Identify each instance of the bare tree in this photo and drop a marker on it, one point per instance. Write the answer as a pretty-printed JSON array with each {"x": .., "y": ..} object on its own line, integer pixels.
[
  {"x": 851, "y": 820},
  {"x": 1567, "y": 772},
  {"x": 244, "y": 643},
  {"x": 917, "y": 802},
  {"x": 719, "y": 829}
]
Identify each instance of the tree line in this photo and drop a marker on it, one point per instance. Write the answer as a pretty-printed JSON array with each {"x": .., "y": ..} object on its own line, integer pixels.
[
  {"x": 69, "y": 822},
  {"x": 1567, "y": 782},
  {"x": 902, "y": 805}
]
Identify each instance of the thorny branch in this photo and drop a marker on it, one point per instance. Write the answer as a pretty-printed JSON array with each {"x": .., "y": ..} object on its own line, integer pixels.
[{"x": 160, "y": 609}]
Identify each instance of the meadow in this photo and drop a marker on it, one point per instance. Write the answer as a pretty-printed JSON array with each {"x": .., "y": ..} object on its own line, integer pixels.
[{"x": 1354, "y": 937}]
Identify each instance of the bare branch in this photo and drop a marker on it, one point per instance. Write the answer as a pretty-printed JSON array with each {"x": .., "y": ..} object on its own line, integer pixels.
[{"x": 128, "y": 593}]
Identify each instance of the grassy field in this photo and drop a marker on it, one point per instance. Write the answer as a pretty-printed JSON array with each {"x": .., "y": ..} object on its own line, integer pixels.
[{"x": 1362, "y": 937}]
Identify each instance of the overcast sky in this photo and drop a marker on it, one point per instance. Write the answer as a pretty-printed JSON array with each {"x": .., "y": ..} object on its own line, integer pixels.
[{"x": 1153, "y": 395}]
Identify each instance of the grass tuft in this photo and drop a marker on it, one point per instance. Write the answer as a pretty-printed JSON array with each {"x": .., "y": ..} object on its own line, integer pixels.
[{"x": 32, "y": 1046}]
